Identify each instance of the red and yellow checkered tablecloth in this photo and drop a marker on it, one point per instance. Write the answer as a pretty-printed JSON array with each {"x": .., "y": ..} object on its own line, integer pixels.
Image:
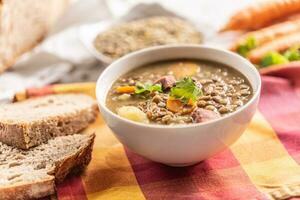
[{"x": 262, "y": 164}]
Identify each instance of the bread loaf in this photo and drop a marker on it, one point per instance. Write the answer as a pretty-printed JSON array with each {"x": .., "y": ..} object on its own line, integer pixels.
[{"x": 23, "y": 24}]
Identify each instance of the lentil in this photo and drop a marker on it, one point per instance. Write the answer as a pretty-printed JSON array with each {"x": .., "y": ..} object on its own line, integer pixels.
[
  {"x": 223, "y": 110},
  {"x": 201, "y": 103},
  {"x": 131, "y": 36},
  {"x": 222, "y": 93},
  {"x": 210, "y": 107}
]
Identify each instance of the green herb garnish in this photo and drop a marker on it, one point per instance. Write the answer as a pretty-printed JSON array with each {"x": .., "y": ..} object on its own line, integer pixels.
[
  {"x": 249, "y": 44},
  {"x": 273, "y": 58},
  {"x": 148, "y": 88},
  {"x": 292, "y": 54},
  {"x": 186, "y": 90}
]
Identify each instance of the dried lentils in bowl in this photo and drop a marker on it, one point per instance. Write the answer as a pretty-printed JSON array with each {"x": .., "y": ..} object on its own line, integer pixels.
[
  {"x": 128, "y": 37},
  {"x": 179, "y": 92}
]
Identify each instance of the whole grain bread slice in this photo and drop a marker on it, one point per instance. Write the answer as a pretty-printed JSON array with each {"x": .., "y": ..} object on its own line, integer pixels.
[
  {"x": 31, "y": 122},
  {"x": 31, "y": 174}
]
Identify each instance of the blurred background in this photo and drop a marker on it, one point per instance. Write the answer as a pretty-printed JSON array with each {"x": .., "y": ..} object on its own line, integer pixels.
[{"x": 63, "y": 56}]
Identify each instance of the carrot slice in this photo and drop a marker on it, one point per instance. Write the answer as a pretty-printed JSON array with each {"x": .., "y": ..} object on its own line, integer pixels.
[
  {"x": 174, "y": 105},
  {"x": 279, "y": 45},
  {"x": 191, "y": 103},
  {"x": 177, "y": 106},
  {"x": 262, "y": 14},
  {"x": 125, "y": 89}
]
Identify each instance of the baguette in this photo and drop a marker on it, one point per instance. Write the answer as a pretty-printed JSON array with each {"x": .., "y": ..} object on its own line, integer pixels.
[
  {"x": 31, "y": 174},
  {"x": 31, "y": 122}
]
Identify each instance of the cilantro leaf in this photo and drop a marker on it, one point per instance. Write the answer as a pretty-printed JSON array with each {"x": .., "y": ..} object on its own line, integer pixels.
[
  {"x": 148, "y": 88},
  {"x": 273, "y": 58},
  {"x": 186, "y": 90},
  {"x": 249, "y": 44},
  {"x": 292, "y": 54}
]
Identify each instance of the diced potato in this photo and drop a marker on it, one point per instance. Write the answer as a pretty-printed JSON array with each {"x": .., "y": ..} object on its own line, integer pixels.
[
  {"x": 124, "y": 97},
  {"x": 133, "y": 113}
]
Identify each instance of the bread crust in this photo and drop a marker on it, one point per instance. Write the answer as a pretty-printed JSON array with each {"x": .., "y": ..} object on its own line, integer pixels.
[
  {"x": 46, "y": 187},
  {"x": 29, "y": 134},
  {"x": 76, "y": 162},
  {"x": 32, "y": 190}
]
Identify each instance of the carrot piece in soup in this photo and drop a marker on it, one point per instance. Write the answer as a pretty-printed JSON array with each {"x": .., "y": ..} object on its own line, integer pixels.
[
  {"x": 125, "y": 89},
  {"x": 191, "y": 102},
  {"x": 174, "y": 105}
]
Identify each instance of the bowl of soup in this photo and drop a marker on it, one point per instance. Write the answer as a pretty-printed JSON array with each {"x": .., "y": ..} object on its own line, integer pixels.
[{"x": 178, "y": 104}]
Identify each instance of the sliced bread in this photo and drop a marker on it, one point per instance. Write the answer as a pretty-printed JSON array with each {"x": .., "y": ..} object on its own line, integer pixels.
[
  {"x": 30, "y": 174},
  {"x": 31, "y": 122}
]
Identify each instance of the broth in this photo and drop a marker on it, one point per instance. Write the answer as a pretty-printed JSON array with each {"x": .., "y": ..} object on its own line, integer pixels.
[{"x": 179, "y": 92}]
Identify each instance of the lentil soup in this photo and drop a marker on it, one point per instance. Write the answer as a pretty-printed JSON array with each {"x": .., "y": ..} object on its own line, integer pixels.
[{"x": 179, "y": 92}]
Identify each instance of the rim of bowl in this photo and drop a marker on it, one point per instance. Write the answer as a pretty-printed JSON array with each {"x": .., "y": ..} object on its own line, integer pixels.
[{"x": 241, "y": 109}]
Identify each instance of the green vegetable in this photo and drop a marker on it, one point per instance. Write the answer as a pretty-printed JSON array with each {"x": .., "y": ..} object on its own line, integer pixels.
[
  {"x": 292, "y": 54},
  {"x": 248, "y": 45},
  {"x": 185, "y": 90},
  {"x": 148, "y": 88},
  {"x": 273, "y": 58}
]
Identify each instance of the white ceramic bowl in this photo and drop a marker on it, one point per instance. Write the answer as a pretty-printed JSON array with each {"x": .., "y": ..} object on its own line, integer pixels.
[{"x": 179, "y": 145}]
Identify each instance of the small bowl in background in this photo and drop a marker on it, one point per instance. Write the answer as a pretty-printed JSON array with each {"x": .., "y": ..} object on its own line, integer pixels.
[{"x": 87, "y": 34}]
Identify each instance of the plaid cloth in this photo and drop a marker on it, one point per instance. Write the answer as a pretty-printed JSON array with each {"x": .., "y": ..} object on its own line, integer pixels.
[{"x": 262, "y": 164}]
